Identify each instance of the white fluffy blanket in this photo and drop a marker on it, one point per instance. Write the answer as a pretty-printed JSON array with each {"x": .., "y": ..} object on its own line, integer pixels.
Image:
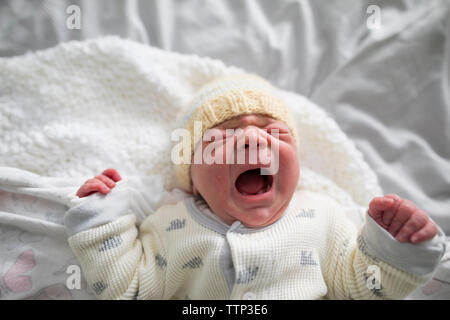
[{"x": 69, "y": 112}]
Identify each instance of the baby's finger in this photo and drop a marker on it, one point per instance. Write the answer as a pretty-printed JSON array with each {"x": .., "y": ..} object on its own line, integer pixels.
[
  {"x": 377, "y": 207},
  {"x": 428, "y": 232},
  {"x": 416, "y": 222},
  {"x": 112, "y": 174},
  {"x": 108, "y": 181},
  {"x": 100, "y": 186},
  {"x": 390, "y": 212},
  {"x": 84, "y": 189},
  {"x": 91, "y": 186},
  {"x": 379, "y": 204},
  {"x": 402, "y": 214}
]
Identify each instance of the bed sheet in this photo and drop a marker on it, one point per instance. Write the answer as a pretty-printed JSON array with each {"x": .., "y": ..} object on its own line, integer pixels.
[{"x": 387, "y": 87}]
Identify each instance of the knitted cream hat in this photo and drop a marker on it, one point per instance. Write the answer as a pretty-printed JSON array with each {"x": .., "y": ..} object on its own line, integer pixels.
[{"x": 225, "y": 98}]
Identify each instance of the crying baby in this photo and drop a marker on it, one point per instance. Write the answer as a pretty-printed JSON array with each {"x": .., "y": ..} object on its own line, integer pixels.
[{"x": 247, "y": 231}]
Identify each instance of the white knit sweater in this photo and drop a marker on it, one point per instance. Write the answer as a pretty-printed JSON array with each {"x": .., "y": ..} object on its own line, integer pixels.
[{"x": 183, "y": 252}]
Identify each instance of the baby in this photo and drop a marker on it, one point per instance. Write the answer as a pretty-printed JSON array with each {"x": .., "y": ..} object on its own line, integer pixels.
[{"x": 247, "y": 232}]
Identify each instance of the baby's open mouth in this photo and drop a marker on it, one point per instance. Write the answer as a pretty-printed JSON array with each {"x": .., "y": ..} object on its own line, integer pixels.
[{"x": 251, "y": 182}]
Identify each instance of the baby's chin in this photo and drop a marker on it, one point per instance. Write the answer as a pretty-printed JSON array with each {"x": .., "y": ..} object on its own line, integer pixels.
[{"x": 258, "y": 217}]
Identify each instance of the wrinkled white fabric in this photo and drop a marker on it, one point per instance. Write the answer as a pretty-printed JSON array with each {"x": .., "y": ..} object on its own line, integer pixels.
[{"x": 387, "y": 88}]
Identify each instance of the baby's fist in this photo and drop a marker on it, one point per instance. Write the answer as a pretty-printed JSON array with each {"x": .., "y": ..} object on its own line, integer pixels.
[
  {"x": 402, "y": 219},
  {"x": 102, "y": 183}
]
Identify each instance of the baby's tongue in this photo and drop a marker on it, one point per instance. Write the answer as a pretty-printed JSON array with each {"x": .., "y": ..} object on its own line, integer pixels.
[{"x": 250, "y": 182}]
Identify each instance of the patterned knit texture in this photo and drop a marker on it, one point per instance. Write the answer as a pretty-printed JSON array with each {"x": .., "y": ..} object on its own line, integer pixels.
[{"x": 312, "y": 252}]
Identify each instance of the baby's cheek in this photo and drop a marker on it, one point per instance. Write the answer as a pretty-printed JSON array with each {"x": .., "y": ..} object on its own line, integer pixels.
[
  {"x": 215, "y": 186},
  {"x": 218, "y": 176},
  {"x": 209, "y": 177},
  {"x": 288, "y": 156},
  {"x": 289, "y": 169}
]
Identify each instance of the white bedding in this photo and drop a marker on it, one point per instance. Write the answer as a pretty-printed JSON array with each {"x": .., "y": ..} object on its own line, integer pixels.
[
  {"x": 70, "y": 111},
  {"x": 388, "y": 88}
]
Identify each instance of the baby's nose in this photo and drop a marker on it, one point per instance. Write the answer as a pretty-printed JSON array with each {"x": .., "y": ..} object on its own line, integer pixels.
[
  {"x": 253, "y": 138},
  {"x": 251, "y": 146}
]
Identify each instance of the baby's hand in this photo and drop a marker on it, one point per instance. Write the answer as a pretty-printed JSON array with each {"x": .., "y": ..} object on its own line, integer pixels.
[
  {"x": 402, "y": 219},
  {"x": 102, "y": 183}
]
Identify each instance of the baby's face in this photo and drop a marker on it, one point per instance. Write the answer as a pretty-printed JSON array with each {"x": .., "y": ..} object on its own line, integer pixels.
[{"x": 237, "y": 191}]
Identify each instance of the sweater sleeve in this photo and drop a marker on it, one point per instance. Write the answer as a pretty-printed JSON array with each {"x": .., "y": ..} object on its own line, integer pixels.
[
  {"x": 118, "y": 259},
  {"x": 356, "y": 271},
  {"x": 121, "y": 262},
  {"x": 138, "y": 195}
]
